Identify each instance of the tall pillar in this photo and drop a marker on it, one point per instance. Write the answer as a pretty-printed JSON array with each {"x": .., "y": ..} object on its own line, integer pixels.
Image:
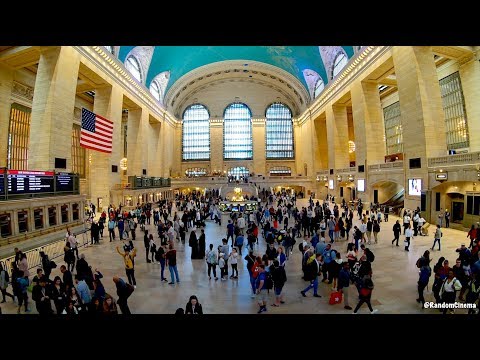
[
  {"x": 155, "y": 149},
  {"x": 177, "y": 151},
  {"x": 368, "y": 124},
  {"x": 136, "y": 143},
  {"x": 423, "y": 119},
  {"x": 470, "y": 78},
  {"x": 337, "y": 135},
  {"x": 108, "y": 104},
  {"x": 6, "y": 85},
  {"x": 52, "y": 109},
  {"x": 320, "y": 145},
  {"x": 169, "y": 141},
  {"x": 259, "y": 147},
  {"x": 216, "y": 145}
]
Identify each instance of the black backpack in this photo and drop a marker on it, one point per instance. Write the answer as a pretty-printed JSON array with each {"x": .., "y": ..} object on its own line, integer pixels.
[
  {"x": 300, "y": 246},
  {"x": 370, "y": 256},
  {"x": 7, "y": 277},
  {"x": 268, "y": 281}
]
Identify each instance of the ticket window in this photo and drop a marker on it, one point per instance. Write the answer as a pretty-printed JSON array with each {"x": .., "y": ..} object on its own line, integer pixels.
[
  {"x": 52, "y": 216},
  {"x": 38, "y": 218},
  {"x": 75, "y": 212},
  {"x": 64, "y": 213},
  {"x": 5, "y": 225},
  {"x": 22, "y": 221}
]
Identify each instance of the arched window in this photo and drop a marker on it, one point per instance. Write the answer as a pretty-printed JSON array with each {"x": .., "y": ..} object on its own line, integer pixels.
[
  {"x": 196, "y": 133},
  {"x": 319, "y": 86},
  {"x": 237, "y": 132},
  {"x": 238, "y": 171},
  {"x": 340, "y": 62},
  {"x": 109, "y": 49},
  {"x": 279, "y": 131},
  {"x": 155, "y": 90},
  {"x": 280, "y": 171},
  {"x": 133, "y": 66}
]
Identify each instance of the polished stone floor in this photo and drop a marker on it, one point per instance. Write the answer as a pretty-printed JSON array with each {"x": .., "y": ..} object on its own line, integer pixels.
[{"x": 394, "y": 274}]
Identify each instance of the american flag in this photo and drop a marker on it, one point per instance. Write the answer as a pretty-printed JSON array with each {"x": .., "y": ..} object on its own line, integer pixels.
[{"x": 96, "y": 133}]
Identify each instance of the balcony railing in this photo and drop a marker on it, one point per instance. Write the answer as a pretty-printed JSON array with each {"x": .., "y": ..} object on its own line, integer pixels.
[
  {"x": 348, "y": 170},
  {"x": 459, "y": 159},
  {"x": 386, "y": 166}
]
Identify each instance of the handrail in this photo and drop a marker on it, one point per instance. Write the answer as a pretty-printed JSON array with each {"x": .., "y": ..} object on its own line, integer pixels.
[
  {"x": 53, "y": 250},
  {"x": 387, "y": 166},
  {"x": 458, "y": 159}
]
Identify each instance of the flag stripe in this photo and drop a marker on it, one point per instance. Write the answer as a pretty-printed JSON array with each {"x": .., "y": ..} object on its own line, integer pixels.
[
  {"x": 96, "y": 132},
  {"x": 95, "y": 145},
  {"x": 96, "y": 136}
]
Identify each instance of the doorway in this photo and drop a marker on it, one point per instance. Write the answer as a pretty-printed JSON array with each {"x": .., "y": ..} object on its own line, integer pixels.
[
  {"x": 457, "y": 211},
  {"x": 375, "y": 196}
]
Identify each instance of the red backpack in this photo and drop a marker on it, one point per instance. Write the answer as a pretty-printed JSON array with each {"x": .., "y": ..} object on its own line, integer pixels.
[{"x": 255, "y": 270}]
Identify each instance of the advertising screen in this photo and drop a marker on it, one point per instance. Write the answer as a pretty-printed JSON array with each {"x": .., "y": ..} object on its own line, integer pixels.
[
  {"x": 361, "y": 185},
  {"x": 64, "y": 182},
  {"x": 415, "y": 187},
  {"x": 330, "y": 184}
]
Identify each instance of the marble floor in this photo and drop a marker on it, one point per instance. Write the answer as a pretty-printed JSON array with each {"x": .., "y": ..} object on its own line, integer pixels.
[{"x": 394, "y": 274}]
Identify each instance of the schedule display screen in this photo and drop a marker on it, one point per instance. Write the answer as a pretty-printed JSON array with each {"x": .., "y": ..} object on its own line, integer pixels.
[
  {"x": 64, "y": 182},
  {"x": 29, "y": 182},
  {"x": 2, "y": 186}
]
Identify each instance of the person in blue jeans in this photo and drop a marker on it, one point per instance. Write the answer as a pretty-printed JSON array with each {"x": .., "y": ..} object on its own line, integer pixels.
[
  {"x": 311, "y": 274},
  {"x": 161, "y": 258},
  {"x": 171, "y": 262},
  {"x": 261, "y": 285},
  {"x": 437, "y": 236}
]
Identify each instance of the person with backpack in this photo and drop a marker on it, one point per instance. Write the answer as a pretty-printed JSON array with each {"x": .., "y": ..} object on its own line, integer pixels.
[
  {"x": 376, "y": 230},
  {"x": 397, "y": 229},
  {"x": 124, "y": 291},
  {"x": 23, "y": 283},
  {"x": 261, "y": 289},
  {"x": 279, "y": 278},
  {"x": 344, "y": 284},
  {"x": 4, "y": 280},
  {"x": 368, "y": 253},
  {"x": 212, "y": 260},
  {"x": 365, "y": 295},
  {"x": 128, "y": 258},
  {"x": 448, "y": 291},
  {"x": 311, "y": 274}
]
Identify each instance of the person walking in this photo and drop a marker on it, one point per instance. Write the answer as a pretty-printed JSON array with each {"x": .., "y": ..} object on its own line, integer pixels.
[
  {"x": 146, "y": 242},
  {"x": 408, "y": 236},
  {"x": 365, "y": 295},
  {"x": 4, "y": 279},
  {"x": 440, "y": 216},
  {"x": 261, "y": 289},
  {"x": 448, "y": 291},
  {"x": 424, "y": 276},
  {"x": 233, "y": 259},
  {"x": 312, "y": 271},
  {"x": 128, "y": 258},
  {"x": 279, "y": 278},
  {"x": 397, "y": 229},
  {"x": 438, "y": 235},
  {"x": 201, "y": 245},
  {"x": 111, "y": 229}
]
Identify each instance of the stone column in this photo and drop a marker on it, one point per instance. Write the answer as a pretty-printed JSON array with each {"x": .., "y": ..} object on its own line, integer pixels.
[
  {"x": 216, "y": 145},
  {"x": 368, "y": 124},
  {"x": 108, "y": 103},
  {"x": 6, "y": 85},
  {"x": 134, "y": 136},
  {"x": 423, "y": 118},
  {"x": 320, "y": 145},
  {"x": 337, "y": 135},
  {"x": 259, "y": 147},
  {"x": 53, "y": 106},
  {"x": 470, "y": 78},
  {"x": 155, "y": 149}
]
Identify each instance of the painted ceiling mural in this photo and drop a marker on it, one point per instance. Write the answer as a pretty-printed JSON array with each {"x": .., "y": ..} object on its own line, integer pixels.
[{"x": 297, "y": 60}]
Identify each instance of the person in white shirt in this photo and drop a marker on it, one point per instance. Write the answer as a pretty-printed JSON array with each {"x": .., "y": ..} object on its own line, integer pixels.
[
  {"x": 421, "y": 222},
  {"x": 416, "y": 217},
  {"x": 363, "y": 229},
  {"x": 233, "y": 260},
  {"x": 406, "y": 221},
  {"x": 449, "y": 289},
  {"x": 73, "y": 243},
  {"x": 408, "y": 236},
  {"x": 241, "y": 223}
]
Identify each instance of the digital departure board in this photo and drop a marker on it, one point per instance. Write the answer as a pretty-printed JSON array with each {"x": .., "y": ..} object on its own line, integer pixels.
[
  {"x": 64, "y": 182},
  {"x": 2, "y": 184},
  {"x": 29, "y": 182}
]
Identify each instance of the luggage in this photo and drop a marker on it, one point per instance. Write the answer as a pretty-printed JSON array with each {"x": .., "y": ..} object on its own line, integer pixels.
[{"x": 335, "y": 298}]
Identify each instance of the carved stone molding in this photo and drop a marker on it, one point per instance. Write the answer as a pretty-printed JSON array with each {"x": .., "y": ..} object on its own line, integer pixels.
[{"x": 22, "y": 91}]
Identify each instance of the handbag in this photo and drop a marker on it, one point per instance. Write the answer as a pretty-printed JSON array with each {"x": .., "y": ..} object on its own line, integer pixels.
[{"x": 335, "y": 297}]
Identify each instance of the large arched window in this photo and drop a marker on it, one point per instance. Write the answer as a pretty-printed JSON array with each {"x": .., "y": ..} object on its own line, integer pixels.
[
  {"x": 196, "y": 133},
  {"x": 237, "y": 132},
  {"x": 319, "y": 86},
  {"x": 133, "y": 66},
  {"x": 279, "y": 132},
  {"x": 340, "y": 62},
  {"x": 155, "y": 90}
]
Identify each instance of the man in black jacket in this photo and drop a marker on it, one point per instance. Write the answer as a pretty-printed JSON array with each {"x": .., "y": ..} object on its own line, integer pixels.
[
  {"x": 124, "y": 290},
  {"x": 397, "y": 229},
  {"x": 311, "y": 274},
  {"x": 279, "y": 278},
  {"x": 67, "y": 276},
  {"x": 41, "y": 296}
]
